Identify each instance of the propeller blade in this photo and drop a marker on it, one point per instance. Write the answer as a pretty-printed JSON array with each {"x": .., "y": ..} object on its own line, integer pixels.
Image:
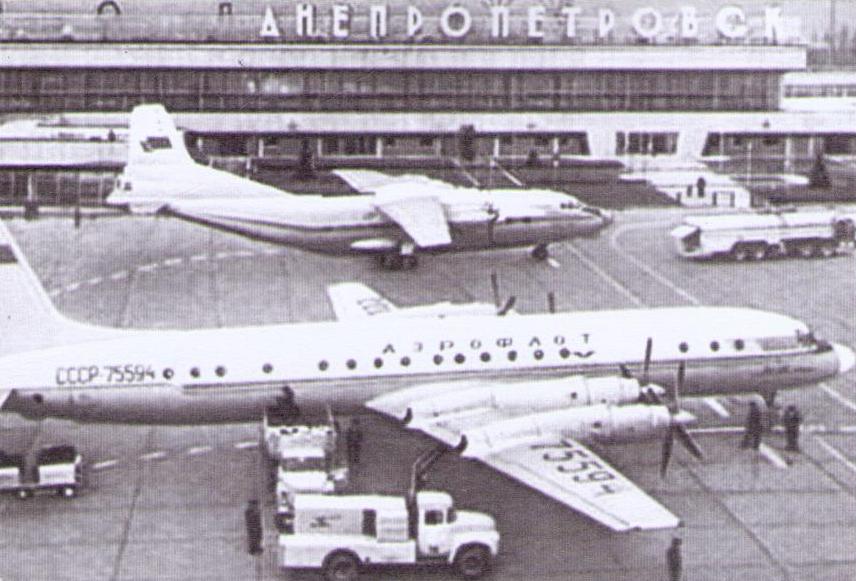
[
  {"x": 668, "y": 443},
  {"x": 551, "y": 303},
  {"x": 509, "y": 304},
  {"x": 649, "y": 345},
  {"x": 408, "y": 417},
  {"x": 494, "y": 287},
  {"x": 688, "y": 442},
  {"x": 625, "y": 373}
]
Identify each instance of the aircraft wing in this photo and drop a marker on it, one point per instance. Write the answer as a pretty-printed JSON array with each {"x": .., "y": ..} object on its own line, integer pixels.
[
  {"x": 353, "y": 300},
  {"x": 4, "y": 395},
  {"x": 422, "y": 218},
  {"x": 367, "y": 181},
  {"x": 567, "y": 471},
  {"x": 558, "y": 467}
]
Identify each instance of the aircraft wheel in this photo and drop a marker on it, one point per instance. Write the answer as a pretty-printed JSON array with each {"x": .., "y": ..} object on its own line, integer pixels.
[
  {"x": 540, "y": 252},
  {"x": 391, "y": 261}
]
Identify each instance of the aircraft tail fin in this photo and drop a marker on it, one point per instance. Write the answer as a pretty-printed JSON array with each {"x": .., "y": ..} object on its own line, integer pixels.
[
  {"x": 28, "y": 318},
  {"x": 154, "y": 139}
]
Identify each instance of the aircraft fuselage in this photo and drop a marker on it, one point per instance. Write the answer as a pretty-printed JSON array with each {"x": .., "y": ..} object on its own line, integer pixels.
[{"x": 209, "y": 376}]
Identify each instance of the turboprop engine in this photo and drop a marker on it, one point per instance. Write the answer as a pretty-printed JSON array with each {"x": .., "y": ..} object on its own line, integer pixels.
[
  {"x": 601, "y": 423},
  {"x": 530, "y": 397}
]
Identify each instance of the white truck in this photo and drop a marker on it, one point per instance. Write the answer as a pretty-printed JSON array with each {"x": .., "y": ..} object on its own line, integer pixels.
[
  {"x": 761, "y": 235},
  {"x": 342, "y": 534},
  {"x": 57, "y": 469}
]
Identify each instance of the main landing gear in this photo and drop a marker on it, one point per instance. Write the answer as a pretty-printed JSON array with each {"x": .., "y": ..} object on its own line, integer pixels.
[
  {"x": 396, "y": 261},
  {"x": 540, "y": 252}
]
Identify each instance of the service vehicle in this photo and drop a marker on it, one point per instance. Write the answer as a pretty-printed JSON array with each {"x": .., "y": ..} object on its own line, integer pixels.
[
  {"x": 761, "y": 235},
  {"x": 307, "y": 468},
  {"x": 341, "y": 534},
  {"x": 56, "y": 469}
]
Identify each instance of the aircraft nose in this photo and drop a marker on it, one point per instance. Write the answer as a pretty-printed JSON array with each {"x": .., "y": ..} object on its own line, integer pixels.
[{"x": 846, "y": 357}]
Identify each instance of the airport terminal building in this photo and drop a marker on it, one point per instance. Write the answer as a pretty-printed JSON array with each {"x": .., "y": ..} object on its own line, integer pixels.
[{"x": 400, "y": 82}]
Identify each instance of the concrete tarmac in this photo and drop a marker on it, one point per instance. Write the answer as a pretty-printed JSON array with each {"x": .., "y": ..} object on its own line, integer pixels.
[{"x": 167, "y": 503}]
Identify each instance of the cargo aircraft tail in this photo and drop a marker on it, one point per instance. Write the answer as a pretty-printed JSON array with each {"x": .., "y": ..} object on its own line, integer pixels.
[{"x": 160, "y": 169}]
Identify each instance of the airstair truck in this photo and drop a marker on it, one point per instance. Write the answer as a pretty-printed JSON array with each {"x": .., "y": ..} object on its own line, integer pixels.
[
  {"x": 761, "y": 235},
  {"x": 57, "y": 469},
  {"x": 342, "y": 534}
]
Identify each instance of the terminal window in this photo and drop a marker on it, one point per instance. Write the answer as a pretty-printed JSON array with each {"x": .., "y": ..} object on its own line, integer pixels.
[{"x": 646, "y": 143}]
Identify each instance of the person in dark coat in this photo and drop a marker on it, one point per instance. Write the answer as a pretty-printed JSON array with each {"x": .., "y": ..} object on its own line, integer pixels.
[
  {"x": 354, "y": 441},
  {"x": 253, "y": 522},
  {"x": 792, "y": 420},
  {"x": 754, "y": 427},
  {"x": 674, "y": 560}
]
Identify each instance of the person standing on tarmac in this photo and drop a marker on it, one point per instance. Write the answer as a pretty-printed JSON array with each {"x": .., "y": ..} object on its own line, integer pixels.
[
  {"x": 253, "y": 522},
  {"x": 354, "y": 441},
  {"x": 792, "y": 420},
  {"x": 754, "y": 427},
  {"x": 674, "y": 560}
]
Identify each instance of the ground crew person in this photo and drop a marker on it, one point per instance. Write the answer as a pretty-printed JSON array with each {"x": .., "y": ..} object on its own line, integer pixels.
[
  {"x": 791, "y": 420},
  {"x": 287, "y": 406},
  {"x": 754, "y": 427},
  {"x": 674, "y": 561},
  {"x": 253, "y": 522},
  {"x": 354, "y": 441}
]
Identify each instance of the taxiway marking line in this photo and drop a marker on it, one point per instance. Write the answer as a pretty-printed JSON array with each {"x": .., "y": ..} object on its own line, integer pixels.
[
  {"x": 94, "y": 281},
  {"x": 153, "y": 456},
  {"x": 173, "y": 261},
  {"x": 836, "y": 454},
  {"x": 70, "y": 288},
  {"x": 243, "y": 254},
  {"x": 605, "y": 276},
  {"x": 55, "y": 292},
  {"x": 199, "y": 258},
  {"x": 554, "y": 263},
  {"x": 148, "y": 267},
  {"x": 246, "y": 445},
  {"x": 199, "y": 450},
  {"x": 119, "y": 275},
  {"x": 613, "y": 241},
  {"x": 772, "y": 456},
  {"x": 717, "y": 407},
  {"x": 838, "y": 397},
  {"x": 104, "y": 464},
  {"x": 807, "y": 429}
]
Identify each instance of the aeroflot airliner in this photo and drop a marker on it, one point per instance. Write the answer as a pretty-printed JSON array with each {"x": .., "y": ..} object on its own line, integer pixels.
[{"x": 521, "y": 389}]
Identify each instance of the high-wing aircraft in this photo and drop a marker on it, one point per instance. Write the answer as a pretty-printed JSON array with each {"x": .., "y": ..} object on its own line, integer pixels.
[
  {"x": 396, "y": 221},
  {"x": 519, "y": 393}
]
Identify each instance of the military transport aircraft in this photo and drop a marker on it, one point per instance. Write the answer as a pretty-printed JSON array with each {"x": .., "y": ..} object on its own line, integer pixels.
[
  {"x": 520, "y": 393},
  {"x": 395, "y": 222}
]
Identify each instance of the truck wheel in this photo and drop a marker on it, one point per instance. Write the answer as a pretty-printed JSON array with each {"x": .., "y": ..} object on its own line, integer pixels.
[
  {"x": 807, "y": 250},
  {"x": 740, "y": 252},
  {"x": 341, "y": 567},
  {"x": 473, "y": 562},
  {"x": 827, "y": 250},
  {"x": 759, "y": 252}
]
